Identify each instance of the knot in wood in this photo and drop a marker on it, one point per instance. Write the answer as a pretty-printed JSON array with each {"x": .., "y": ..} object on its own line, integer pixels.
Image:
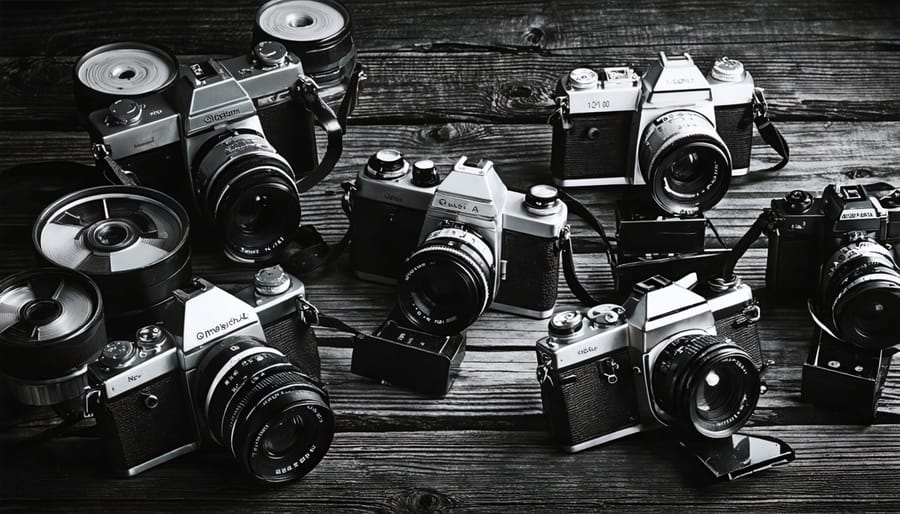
[
  {"x": 422, "y": 500},
  {"x": 534, "y": 36}
]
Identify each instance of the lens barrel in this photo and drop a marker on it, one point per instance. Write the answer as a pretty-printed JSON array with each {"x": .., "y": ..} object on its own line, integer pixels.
[
  {"x": 248, "y": 190},
  {"x": 272, "y": 417},
  {"x": 861, "y": 287},
  {"x": 685, "y": 163},
  {"x": 448, "y": 282},
  {"x": 707, "y": 384}
]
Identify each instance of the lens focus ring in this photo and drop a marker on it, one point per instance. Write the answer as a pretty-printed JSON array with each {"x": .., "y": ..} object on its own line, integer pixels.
[
  {"x": 707, "y": 384},
  {"x": 252, "y": 390},
  {"x": 684, "y": 162}
]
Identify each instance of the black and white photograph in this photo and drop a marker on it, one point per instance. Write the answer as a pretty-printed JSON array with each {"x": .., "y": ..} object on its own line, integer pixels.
[{"x": 448, "y": 256}]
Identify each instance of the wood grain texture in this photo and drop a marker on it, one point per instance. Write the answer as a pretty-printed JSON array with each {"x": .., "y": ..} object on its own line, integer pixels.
[
  {"x": 450, "y": 78},
  {"x": 803, "y": 81},
  {"x": 479, "y": 471}
]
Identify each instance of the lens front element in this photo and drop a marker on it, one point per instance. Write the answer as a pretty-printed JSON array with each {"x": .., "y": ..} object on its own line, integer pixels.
[
  {"x": 447, "y": 283},
  {"x": 249, "y": 191},
  {"x": 275, "y": 420},
  {"x": 707, "y": 384},
  {"x": 684, "y": 162}
]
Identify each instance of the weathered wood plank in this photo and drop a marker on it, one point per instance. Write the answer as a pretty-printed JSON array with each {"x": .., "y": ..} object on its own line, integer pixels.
[
  {"x": 508, "y": 26},
  {"x": 475, "y": 471},
  {"x": 803, "y": 81}
]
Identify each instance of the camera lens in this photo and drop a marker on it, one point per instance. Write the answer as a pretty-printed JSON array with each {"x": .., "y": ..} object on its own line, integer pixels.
[
  {"x": 275, "y": 420},
  {"x": 684, "y": 162},
  {"x": 707, "y": 384},
  {"x": 861, "y": 287},
  {"x": 447, "y": 283},
  {"x": 248, "y": 190}
]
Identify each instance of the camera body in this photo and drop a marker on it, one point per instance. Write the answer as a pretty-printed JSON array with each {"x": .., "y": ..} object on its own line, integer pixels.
[
  {"x": 195, "y": 375},
  {"x": 405, "y": 221},
  {"x": 617, "y": 128},
  {"x": 223, "y": 127},
  {"x": 618, "y": 370},
  {"x": 807, "y": 230}
]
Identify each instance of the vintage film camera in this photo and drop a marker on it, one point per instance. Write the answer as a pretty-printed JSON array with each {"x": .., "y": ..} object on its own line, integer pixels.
[
  {"x": 455, "y": 246},
  {"x": 668, "y": 357},
  {"x": 840, "y": 251},
  {"x": 240, "y": 370},
  {"x": 679, "y": 132},
  {"x": 319, "y": 32},
  {"x": 235, "y": 138}
]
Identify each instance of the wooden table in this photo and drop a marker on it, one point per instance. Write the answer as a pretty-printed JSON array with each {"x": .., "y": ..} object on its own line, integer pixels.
[{"x": 446, "y": 79}]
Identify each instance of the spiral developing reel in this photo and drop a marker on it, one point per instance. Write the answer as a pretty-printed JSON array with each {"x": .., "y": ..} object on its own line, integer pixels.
[
  {"x": 125, "y": 69},
  {"x": 51, "y": 327},
  {"x": 132, "y": 241},
  {"x": 317, "y": 31}
]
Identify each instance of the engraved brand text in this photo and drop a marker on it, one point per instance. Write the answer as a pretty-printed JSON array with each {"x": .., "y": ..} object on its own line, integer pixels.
[
  {"x": 223, "y": 326},
  {"x": 220, "y": 116}
]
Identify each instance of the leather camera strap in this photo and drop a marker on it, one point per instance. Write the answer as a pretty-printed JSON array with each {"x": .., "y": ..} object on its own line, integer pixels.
[
  {"x": 568, "y": 252},
  {"x": 308, "y": 92},
  {"x": 769, "y": 132},
  {"x": 351, "y": 95}
]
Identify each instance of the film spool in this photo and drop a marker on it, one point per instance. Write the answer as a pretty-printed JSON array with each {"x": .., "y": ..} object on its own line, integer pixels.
[
  {"x": 132, "y": 241},
  {"x": 125, "y": 69},
  {"x": 317, "y": 31},
  {"x": 51, "y": 327}
]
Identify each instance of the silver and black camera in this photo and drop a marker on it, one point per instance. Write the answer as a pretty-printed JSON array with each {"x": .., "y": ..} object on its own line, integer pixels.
[
  {"x": 668, "y": 357},
  {"x": 235, "y": 137},
  {"x": 679, "y": 132},
  {"x": 241, "y": 370},
  {"x": 455, "y": 246}
]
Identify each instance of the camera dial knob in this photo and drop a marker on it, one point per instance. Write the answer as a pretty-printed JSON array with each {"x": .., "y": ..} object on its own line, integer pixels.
[
  {"x": 123, "y": 112},
  {"x": 727, "y": 70},
  {"x": 387, "y": 164},
  {"x": 607, "y": 314},
  {"x": 566, "y": 323},
  {"x": 270, "y": 53},
  {"x": 798, "y": 201},
  {"x": 271, "y": 281},
  {"x": 542, "y": 200},
  {"x": 150, "y": 338},
  {"x": 117, "y": 354},
  {"x": 583, "y": 78},
  {"x": 424, "y": 174}
]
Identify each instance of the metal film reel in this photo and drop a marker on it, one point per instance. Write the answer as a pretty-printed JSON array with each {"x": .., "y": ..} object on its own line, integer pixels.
[
  {"x": 317, "y": 31},
  {"x": 121, "y": 70},
  {"x": 51, "y": 327},
  {"x": 132, "y": 241}
]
